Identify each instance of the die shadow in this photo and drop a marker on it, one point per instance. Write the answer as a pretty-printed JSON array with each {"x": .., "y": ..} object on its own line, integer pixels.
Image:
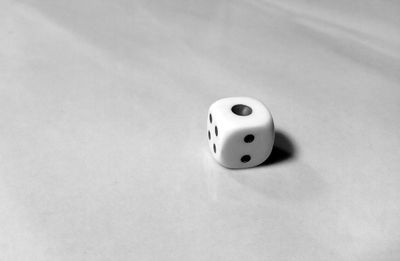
[
  {"x": 296, "y": 181},
  {"x": 284, "y": 149}
]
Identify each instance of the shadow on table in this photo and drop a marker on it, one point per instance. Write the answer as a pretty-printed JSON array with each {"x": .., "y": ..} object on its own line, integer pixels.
[{"x": 284, "y": 149}]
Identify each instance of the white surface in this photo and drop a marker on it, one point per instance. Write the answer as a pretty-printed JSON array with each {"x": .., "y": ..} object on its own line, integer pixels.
[
  {"x": 230, "y": 146},
  {"x": 103, "y": 152}
]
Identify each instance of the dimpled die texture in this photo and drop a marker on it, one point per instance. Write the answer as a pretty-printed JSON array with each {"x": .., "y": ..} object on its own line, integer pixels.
[{"x": 240, "y": 132}]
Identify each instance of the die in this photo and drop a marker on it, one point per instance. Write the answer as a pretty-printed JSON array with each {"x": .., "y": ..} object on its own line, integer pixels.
[{"x": 240, "y": 132}]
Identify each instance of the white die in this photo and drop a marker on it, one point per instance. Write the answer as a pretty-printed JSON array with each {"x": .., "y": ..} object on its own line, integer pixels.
[{"x": 240, "y": 132}]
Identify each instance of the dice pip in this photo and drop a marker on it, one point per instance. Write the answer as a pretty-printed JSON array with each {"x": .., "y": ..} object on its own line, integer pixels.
[{"x": 240, "y": 132}]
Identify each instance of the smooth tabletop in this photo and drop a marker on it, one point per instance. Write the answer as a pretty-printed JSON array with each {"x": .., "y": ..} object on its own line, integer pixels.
[{"x": 103, "y": 140}]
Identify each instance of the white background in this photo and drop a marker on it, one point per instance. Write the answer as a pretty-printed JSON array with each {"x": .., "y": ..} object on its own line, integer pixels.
[{"x": 103, "y": 142}]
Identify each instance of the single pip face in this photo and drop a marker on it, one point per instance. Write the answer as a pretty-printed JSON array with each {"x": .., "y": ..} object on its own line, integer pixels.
[{"x": 240, "y": 132}]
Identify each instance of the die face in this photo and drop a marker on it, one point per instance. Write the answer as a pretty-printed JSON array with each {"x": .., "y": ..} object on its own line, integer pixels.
[
  {"x": 217, "y": 133},
  {"x": 247, "y": 147},
  {"x": 240, "y": 132},
  {"x": 236, "y": 112}
]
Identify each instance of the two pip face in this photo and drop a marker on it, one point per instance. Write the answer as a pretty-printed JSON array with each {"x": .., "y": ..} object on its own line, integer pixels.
[{"x": 240, "y": 132}]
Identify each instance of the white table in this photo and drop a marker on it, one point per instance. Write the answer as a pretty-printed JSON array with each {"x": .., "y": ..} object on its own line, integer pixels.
[{"x": 103, "y": 146}]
